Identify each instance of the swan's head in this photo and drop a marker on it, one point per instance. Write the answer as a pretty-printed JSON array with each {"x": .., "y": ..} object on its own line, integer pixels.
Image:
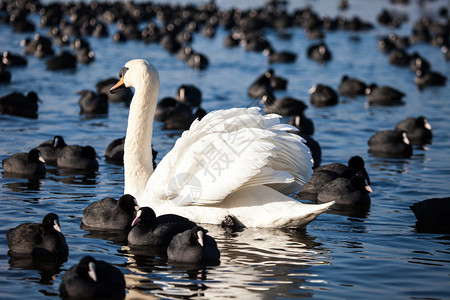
[{"x": 136, "y": 73}]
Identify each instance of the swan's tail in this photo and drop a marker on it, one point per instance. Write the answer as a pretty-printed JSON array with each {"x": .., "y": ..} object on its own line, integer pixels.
[
  {"x": 266, "y": 207},
  {"x": 309, "y": 212}
]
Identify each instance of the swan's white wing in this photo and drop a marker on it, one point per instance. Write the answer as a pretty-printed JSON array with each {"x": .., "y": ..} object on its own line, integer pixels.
[{"x": 228, "y": 150}]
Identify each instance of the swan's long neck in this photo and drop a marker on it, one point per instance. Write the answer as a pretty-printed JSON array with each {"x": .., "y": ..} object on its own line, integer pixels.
[{"x": 137, "y": 149}]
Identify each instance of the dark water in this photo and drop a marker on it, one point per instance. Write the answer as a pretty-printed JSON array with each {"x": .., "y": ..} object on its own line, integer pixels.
[{"x": 378, "y": 254}]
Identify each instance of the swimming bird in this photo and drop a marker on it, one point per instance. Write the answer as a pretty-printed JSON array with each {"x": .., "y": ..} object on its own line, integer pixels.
[
  {"x": 40, "y": 46},
  {"x": 279, "y": 56},
  {"x": 286, "y": 106},
  {"x": 418, "y": 130},
  {"x": 5, "y": 75},
  {"x": 38, "y": 239},
  {"x": 183, "y": 119},
  {"x": 92, "y": 278},
  {"x": 61, "y": 61},
  {"x": 198, "y": 61},
  {"x": 149, "y": 230},
  {"x": 12, "y": 60},
  {"x": 446, "y": 52},
  {"x": 429, "y": 78},
  {"x": 262, "y": 85},
  {"x": 303, "y": 124},
  {"x": 50, "y": 149},
  {"x": 323, "y": 95},
  {"x": 168, "y": 107},
  {"x": 319, "y": 52},
  {"x": 114, "y": 152},
  {"x": 29, "y": 164},
  {"x": 417, "y": 62},
  {"x": 390, "y": 143},
  {"x": 109, "y": 213},
  {"x": 233, "y": 162},
  {"x": 17, "y": 104},
  {"x": 399, "y": 57},
  {"x": 351, "y": 87},
  {"x": 433, "y": 212},
  {"x": 92, "y": 103},
  {"x": 355, "y": 162},
  {"x": 77, "y": 157},
  {"x": 383, "y": 95},
  {"x": 345, "y": 192},
  {"x": 193, "y": 246},
  {"x": 85, "y": 55},
  {"x": 319, "y": 178},
  {"x": 189, "y": 94}
]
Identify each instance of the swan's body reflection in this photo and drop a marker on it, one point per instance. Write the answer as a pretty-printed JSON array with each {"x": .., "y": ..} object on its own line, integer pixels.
[{"x": 255, "y": 263}]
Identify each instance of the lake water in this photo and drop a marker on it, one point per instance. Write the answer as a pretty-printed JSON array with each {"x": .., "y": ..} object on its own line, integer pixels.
[{"x": 379, "y": 254}]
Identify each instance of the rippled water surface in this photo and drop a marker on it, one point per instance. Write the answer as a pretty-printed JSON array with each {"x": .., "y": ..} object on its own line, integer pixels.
[{"x": 373, "y": 255}]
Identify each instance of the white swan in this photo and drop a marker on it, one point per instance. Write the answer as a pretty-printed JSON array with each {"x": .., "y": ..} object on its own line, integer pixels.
[{"x": 233, "y": 162}]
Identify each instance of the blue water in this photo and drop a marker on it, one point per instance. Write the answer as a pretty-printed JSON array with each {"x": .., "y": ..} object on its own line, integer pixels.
[{"x": 378, "y": 254}]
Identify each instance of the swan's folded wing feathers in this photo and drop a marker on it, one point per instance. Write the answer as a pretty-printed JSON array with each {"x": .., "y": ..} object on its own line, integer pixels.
[
  {"x": 228, "y": 150},
  {"x": 216, "y": 164}
]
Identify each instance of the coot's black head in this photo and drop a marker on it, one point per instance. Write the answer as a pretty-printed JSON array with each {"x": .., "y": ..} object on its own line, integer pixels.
[
  {"x": 86, "y": 268},
  {"x": 89, "y": 152},
  {"x": 35, "y": 156},
  {"x": 32, "y": 96},
  {"x": 267, "y": 98},
  {"x": 51, "y": 222},
  {"x": 168, "y": 102},
  {"x": 402, "y": 137},
  {"x": 358, "y": 182},
  {"x": 370, "y": 88},
  {"x": 198, "y": 234},
  {"x": 58, "y": 142},
  {"x": 127, "y": 204},
  {"x": 145, "y": 216},
  {"x": 356, "y": 163},
  {"x": 269, "y": 73},
  {"x": 422, "y": 122}
]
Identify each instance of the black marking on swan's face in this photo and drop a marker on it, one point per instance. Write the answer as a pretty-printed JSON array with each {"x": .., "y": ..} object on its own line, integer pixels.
[{"x": 122, "y": 72}]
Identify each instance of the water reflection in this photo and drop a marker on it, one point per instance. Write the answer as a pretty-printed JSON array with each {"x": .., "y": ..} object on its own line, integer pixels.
[
  {"x": 76, "y": 177},
  {"x": 22, "y": 176},
  {"x": 422, "y": 227},
  {"x": 26, "y": 185},
  {"x": 48, "y": 267},
  {"x": 117, "y": 236},
  {"x": 342, "y": 210},
  {"x": 390, "y": 164},
  {"x": 352, "y": 212}
]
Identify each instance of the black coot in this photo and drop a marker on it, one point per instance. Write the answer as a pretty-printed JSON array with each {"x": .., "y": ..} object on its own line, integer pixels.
[
  {"x": 38, "y": 239},
  {"x": 150, "y": 230},
  {"x": 92, "y": 278},
  {"x": 109, "y": 213},
  {"x": 193, "y": 246}
]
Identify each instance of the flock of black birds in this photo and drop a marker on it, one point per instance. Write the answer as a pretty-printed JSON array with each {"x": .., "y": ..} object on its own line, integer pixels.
[{"x": 69, "y": 23}]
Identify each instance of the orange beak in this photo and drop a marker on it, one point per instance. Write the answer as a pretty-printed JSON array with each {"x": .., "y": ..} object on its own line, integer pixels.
[{"x": 120, "y": 85}]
